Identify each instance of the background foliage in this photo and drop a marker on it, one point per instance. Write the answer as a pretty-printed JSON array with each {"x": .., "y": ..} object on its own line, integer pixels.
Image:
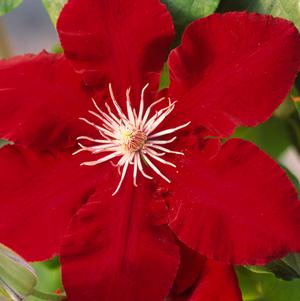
[
  {"x": 8, "y": 5},
  {"x": 279, "y": 280}
]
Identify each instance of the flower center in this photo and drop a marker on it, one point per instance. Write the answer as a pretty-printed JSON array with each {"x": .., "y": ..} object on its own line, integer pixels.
[
  {"x": 132, "y": 140},
  {"x": 132, "y": 137}
]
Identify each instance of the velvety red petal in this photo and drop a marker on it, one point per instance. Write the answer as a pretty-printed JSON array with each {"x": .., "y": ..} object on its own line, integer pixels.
[
  {"x": 123, "y": 42},
  {"x": 116, "y": 250},
  {"x": 233, "y": 69},
  {"x": 41, "y": 99},
  {"x": 190, "y": 269},
  {"x": 218, "y": 282},
  {"x": 39, "y": 195},
  {"x": 237, "y": 206}
]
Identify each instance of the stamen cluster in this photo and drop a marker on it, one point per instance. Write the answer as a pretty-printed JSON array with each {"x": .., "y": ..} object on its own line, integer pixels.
[{"x": 131, "y": 136}]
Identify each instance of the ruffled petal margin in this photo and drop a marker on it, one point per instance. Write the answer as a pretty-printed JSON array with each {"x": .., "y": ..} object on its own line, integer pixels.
[
  {"x": 238, "y": 206},
  {"x": 233, "y": 69},
  {"x": 123, "y": 42}
]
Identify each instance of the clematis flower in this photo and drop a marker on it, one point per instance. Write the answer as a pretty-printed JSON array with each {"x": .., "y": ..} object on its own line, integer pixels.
[{"x": 132, "y": 186}]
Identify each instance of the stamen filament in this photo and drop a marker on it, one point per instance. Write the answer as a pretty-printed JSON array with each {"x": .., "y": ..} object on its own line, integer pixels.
[
  {"x": 152, "y": 154},
  {"x": 169, "y": 131},
  {"x": 165, "y": 149},
  {"x": 155, "y": 168},
  {"x": 132, "y": 138}
]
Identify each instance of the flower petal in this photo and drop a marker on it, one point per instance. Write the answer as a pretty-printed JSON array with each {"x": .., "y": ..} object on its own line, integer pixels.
[
  {"x": 116, "y": 251},
  {"x": 237, "y": 206},
  {"x": 123, "y": 42},
  {"x": 39, "y": 195},
  {"x": 233, "y": 69},
  {"x": 41, "y": 101},
  {"x": 218, "y": 282},
  {"x": 190, "y": 269}
]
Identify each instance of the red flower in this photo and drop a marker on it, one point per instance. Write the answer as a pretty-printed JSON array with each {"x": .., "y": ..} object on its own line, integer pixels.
[{"x": 226, "y": 203}]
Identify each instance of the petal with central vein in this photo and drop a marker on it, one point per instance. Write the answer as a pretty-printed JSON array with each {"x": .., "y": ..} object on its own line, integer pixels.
[
  {"x": 123, "y": 42},
  {"x": 115, "y": 251}
]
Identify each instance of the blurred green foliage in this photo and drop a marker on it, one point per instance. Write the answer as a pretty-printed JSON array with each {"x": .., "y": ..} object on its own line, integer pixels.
[
  {"x": 266, "y": 287},
  {"x": 271, "y": 136},
  {"x": 287, "y": 9},
  {"x": 287, "y": 268},
  {"x": 296, "y": 101},
  {"x": 8, "y": 5},
  {"x": 53, "y": 7},
  {"x": 186, "y": 11}
]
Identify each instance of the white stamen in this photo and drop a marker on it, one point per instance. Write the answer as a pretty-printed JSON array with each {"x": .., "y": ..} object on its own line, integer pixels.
[
  {"x": 135, "y": 169},
  {"x": 139, "y": 119},
  {"x": 156, "y": 156},
  {"x": 155, "y": 168},
  {"x": 169, "y": 131},
  {"x": 122, "y": 176},
  {"x": 162, "y": 141},
  {"x": 166, "y": 150},
  {"x": 131, "y": 137},
  {"x": 140, "y": 166}
]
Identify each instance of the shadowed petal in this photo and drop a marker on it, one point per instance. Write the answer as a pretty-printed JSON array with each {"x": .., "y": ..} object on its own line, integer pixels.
[{"x": 217, "y": 282}]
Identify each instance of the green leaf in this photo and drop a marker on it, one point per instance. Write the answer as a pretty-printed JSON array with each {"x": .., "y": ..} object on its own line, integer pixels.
[
  {"x": 266, "y": 287},
  {"x": 281, "y": 269},
  {"x": 293, "y": 260},
  {"x": 288, "y": 9},
  {"x": 287, "y": 268},
  {"x": 186, "y": 11},
  {"x": 54, "y": 8},
  {"x": 8, "y": 5}
]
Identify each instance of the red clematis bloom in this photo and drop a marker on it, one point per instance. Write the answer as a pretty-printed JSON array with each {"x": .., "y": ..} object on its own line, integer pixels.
[{"x": 200, "y": 206}]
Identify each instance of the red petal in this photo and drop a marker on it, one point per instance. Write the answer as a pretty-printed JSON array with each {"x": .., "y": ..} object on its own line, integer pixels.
[
  {"x": 190, "y": 269},
  {"x": 41, "y": 100},
  {"x": 123, "y": 42},
  {"x": 237, "y": 206},
  {"x": 115, "y": 251},
  {"x": 234, "y": 69},
  {"x": 39, "y": 195},
  {"x": 218, "y": 282}
]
